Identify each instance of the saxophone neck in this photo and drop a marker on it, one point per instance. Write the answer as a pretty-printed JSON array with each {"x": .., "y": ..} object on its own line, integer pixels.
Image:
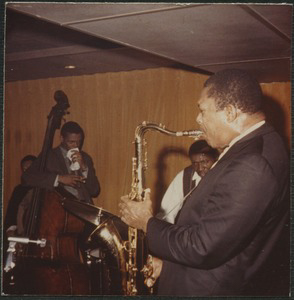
[
  {"x": 140, "y": 159},
  {"x": 146, "y": 126}
]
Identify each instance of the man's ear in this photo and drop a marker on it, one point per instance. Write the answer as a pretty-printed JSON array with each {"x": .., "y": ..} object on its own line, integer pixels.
[{"x": 231, "y": 113}]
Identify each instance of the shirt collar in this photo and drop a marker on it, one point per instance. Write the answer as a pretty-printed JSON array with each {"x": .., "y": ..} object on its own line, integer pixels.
[
  {"x": 196, "y": 176},
  {"x": 238, "y": 138},
  {"x": 246, "y": 132}
]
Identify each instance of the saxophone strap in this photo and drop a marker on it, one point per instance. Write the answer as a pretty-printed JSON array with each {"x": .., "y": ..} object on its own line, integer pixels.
[{"x": 181, "y": 203}]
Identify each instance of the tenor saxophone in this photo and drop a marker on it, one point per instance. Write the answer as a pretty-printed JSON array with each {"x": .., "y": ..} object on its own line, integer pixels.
[{"x": 139, "y": 165}]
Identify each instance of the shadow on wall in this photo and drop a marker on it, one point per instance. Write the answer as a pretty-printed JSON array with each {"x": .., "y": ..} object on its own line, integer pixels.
[
  {"x": 161, "y": 166},
  {"x": 276, "y": 116}
]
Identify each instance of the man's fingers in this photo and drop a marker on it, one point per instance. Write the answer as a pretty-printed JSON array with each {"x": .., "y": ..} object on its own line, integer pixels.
[
  {"x": 150, "y": 281},
  {"x": 123, "y": 207}
]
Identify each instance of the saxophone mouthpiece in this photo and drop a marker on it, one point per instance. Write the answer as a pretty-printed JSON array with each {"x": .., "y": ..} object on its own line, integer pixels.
[{"x": 190, "y": 133}]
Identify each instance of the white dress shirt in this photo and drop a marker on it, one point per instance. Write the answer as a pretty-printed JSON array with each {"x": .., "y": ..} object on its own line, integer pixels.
[{"x": 172, "y": 200}]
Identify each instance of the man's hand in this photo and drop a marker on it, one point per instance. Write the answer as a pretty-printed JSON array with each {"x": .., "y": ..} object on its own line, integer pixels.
[
  {"x": 136, "y": 214},
  {"x": 71, "y": 180},
  {"x": 156, "y": 268},
  {"x": 77, "y": 156}
]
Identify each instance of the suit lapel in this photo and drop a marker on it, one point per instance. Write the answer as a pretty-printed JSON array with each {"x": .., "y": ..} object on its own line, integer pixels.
[{"x": 61, "y": 160}]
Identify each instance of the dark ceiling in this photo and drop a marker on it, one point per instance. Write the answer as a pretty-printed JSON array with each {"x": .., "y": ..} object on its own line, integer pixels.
[{"x": 68, "y": 39}]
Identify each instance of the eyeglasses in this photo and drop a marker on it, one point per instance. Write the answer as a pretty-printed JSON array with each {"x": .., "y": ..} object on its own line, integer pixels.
[{"x": 203, "y": 161}]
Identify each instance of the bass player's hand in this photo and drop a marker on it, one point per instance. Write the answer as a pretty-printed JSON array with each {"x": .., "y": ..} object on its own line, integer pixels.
[{"x": 71, "y": 180}]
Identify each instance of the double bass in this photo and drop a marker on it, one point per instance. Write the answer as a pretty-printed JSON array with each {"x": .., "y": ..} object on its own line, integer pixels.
[{"x": 47, "y": 257}]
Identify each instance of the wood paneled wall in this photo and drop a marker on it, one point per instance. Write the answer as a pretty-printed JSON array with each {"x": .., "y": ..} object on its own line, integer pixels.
[
  {"x": 109, "y": 107},
  {"x": 277, "y": 103}
]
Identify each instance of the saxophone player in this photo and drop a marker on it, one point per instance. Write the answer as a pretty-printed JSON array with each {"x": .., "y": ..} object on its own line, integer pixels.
[{"x": 230, "y": 224}]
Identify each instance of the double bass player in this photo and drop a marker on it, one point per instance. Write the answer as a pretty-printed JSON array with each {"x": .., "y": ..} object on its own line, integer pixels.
[
  {"x": 74, "y": 171},
  {"x": 48, "y": 256}
]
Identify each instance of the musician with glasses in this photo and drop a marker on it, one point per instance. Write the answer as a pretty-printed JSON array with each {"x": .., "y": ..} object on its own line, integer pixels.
[
  {"x": 230, "y": 226},
  {"x": 202, "y": 157}
]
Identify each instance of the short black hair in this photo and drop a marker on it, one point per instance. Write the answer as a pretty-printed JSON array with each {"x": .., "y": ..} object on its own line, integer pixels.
[
  {"x": 28, "y": 158},
  {"x": 72, "y": 127},
  {"x": 202, "y": 147},
  {"x": 235, "y": 87}
]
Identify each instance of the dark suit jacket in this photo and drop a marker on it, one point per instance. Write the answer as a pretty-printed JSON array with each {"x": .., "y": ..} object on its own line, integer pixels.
[
  {"x": 229, "y": 225},
  {"x": 55, "y": 165}
]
